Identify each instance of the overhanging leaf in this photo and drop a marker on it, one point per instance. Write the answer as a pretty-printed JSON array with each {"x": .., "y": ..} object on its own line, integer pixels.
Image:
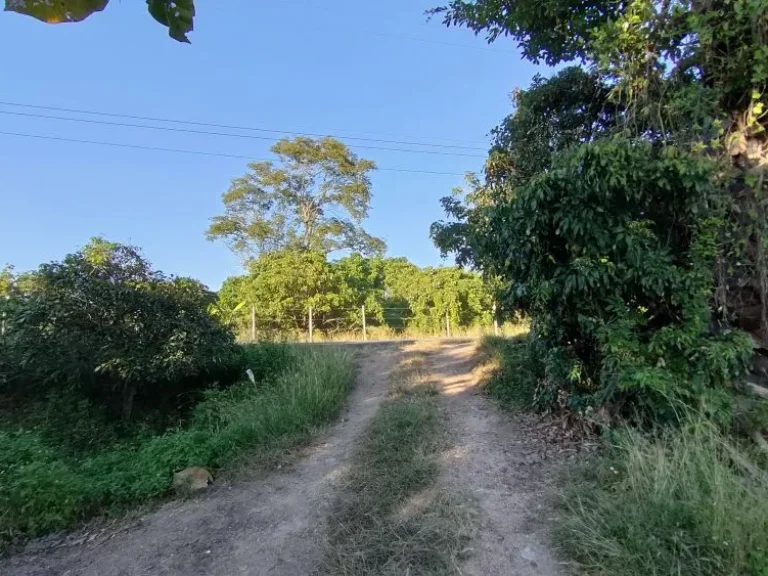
[
  {"x": 56, "y": 11},
  {"x": 177, "y": 15}
]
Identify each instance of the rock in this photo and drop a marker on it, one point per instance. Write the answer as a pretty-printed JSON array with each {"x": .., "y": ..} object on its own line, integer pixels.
[
  {"x": 529, "y": 554},
  {"x": 194, "y": 479}
]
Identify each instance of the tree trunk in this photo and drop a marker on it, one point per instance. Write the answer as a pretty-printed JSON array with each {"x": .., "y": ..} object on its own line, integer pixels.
[{"x": 129, "y": 393}]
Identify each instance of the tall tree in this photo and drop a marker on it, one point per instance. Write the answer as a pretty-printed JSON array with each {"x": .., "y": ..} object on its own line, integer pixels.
[
  {"x": 176, "y": 15},
  {"x": 625, "y": 210},
  {"x": 553, "y": 114},
  {"x": 315, "y": 199}
]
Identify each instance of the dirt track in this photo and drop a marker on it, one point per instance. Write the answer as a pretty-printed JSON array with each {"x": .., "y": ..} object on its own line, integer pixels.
[
  {"x": 269, "y": 525},
  {"x": 488, "y": 461}
]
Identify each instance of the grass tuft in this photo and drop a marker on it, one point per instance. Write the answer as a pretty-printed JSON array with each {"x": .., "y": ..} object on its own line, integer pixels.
[
  {"x": 391, "y": 519},
  {"x": 512, "y": 380},
  {"x": 686, "y": 502}
]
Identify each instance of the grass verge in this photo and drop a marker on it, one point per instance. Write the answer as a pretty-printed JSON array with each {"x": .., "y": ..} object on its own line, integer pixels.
[
  {"x": 512, "y": 381},
  {"x": 44, "y": 488},
  {"x": 686, "y": 502},
  {"x": 391, "y": 519}
]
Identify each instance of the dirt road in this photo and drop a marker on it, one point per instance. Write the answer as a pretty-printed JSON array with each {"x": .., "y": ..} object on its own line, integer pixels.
[
  {"x": 269, "y": 525},
  {"x": 491, "y": 460}
]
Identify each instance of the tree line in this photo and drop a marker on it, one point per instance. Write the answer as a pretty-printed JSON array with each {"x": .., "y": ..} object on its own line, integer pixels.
[
  {"x": 288, "y": 218},
  {"x": 281, "y": 288}
]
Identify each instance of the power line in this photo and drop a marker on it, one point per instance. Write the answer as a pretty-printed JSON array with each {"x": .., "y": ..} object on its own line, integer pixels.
[
  {"x": 182, "y": 151},
  {"x": 443, "y": 43},
  {"x": 234, "y": 127},
  {"x": 209, "y": 133}
]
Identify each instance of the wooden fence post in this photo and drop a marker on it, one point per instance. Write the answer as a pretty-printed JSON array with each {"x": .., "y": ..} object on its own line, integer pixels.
[
  {"x": 365, "y": 331},
  {"x": 311, "y": 325}
]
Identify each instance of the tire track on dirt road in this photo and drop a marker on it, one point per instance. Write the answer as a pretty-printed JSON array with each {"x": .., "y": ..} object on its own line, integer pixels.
[
  {"x": 252, "y": 527},
  {"x": 487, "y": 461}
]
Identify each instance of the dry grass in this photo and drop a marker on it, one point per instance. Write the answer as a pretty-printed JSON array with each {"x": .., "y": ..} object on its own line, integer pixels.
[
  {"x": 681, "y": 503},
  {"x": 391, "y": 518},
  {"x": 376, "y": 333}
]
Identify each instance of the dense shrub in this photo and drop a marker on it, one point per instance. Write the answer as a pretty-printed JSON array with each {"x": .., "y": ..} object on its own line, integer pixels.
[
  {"x": 612, "y": 254},
  {"x": 102, "y": 323},
  {"x": 513, "y": 381},
  {"x": 268, "y": 359}
]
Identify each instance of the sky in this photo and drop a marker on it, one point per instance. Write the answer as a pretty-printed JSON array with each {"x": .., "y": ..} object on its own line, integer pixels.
[{"x": 375, "y": 70}]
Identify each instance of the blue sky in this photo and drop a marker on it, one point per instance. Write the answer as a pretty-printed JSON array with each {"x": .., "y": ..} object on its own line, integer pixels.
[{"x": 368, "y": 69}]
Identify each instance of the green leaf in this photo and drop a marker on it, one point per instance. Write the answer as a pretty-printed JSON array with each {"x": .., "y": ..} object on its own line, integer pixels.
[
  {"x": 177, "y": 15},
  {"x": 58, "y": 11}
]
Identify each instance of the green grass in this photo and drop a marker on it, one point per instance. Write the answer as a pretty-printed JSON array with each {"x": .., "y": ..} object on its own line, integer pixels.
[
  {"x": 512, "y": 381},
  {"x": 686, "y": 502},
  {"x": 46, "y": 487},
  {"x": 391, "y": 519}
]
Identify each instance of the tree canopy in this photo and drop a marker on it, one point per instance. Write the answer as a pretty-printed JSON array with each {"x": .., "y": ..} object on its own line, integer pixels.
[
  {"x": 552, "y": 115},
  {"x": 315, "y": 199},
  {"x": 553, "y": 32},
  {"x": 281, "y": 287},
  {"x": 623, "y": 205},
  {"x": 176, "y": 15},
  {"x": 103, "y": 323}
]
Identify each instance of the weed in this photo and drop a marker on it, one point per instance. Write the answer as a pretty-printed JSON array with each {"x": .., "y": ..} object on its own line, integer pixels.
[
  {"x": 512, "y": 381},
  {"x": 391, "y": 519},
  {"x": 684, "y": 502},
  {"x": 45, "y": 488}
]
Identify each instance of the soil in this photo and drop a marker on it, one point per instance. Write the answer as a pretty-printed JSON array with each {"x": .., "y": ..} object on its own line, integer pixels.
[
  {"x": 501, "y": 461},
  {"x": 267, "y": 525}
]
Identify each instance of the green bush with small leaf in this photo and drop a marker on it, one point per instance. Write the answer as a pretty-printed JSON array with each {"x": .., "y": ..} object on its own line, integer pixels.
[
  {"x": 102, "y": 324},
  {"x": 614, "y": 256}
]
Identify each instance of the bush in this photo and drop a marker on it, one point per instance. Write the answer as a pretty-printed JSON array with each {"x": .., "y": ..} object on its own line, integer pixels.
[
  {"x": 614, "y": 252},
  {"x": 45, "y": 489},
  {"x": 688, "y": 502},
  {"x": 102, "y": 323}
]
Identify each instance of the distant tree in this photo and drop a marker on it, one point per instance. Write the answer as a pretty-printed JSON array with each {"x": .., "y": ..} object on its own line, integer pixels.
[
  {"x": 282, "y": 286},
  {"x": 361, "y": 282},
  {"x": 6, "y": 280},
  {"x": 315, "y": 200},
  {"x": 176, "y": 15}
]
